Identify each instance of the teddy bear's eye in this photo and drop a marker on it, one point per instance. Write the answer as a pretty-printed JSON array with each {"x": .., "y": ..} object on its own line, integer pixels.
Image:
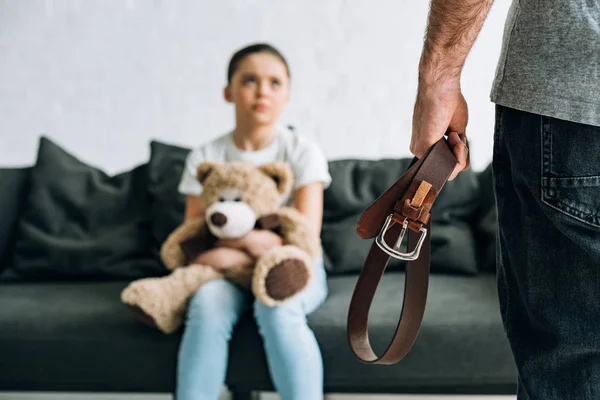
[
  {"x": 237, "y": 199},
  {"x": 221, "y": 199}
]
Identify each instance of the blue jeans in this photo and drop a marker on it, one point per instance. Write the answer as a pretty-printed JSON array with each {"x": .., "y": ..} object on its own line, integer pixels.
[
  {"x": 547, "y": 184},
  {"x": 293, "y": 354}
]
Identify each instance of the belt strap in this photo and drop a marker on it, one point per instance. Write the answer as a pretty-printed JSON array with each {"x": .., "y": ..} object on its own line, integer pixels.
[{"x": 405, "y": 206}]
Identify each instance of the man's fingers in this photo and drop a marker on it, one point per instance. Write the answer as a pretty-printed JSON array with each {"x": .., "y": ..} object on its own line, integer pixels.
[
  {"x": 460, "y": 153},
  {"x": 455, "y": 138},
  {"x": 458, "y": 144}
]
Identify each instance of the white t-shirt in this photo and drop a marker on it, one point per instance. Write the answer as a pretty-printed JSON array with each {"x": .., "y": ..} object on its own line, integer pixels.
[{"x": 306, "y": 159}]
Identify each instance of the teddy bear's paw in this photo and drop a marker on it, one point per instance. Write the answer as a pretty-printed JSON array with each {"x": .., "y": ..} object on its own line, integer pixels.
[
  {"x": 146, "y": 298},
  {"x": 141, "y": 289},
  {"x": 280, "y": 274},
  {"x": 285, "y": 279}
]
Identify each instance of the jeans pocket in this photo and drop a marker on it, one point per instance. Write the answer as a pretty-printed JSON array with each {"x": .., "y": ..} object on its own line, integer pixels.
[{"x": 571, "y": 169}]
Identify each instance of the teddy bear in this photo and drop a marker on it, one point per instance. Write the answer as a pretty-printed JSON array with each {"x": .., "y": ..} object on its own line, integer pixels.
[{"x": 238, "y": 197}]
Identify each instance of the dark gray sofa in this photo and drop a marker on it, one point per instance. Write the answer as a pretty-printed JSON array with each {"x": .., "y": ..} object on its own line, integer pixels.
[{"x": 67, "y": 249}]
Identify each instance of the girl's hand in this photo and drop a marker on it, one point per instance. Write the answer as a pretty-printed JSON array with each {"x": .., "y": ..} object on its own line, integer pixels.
[
  {"x": 259, "y": 241},
  {"x": 223, "y": 258},
  {"x": 256, "y": 243}
]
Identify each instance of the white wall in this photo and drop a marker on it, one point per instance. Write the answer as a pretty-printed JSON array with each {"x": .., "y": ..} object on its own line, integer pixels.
[{"x": 104, "y": 77}]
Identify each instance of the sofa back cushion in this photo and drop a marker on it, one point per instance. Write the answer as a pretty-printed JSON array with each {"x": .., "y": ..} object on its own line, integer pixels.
[
  {"x": 357, "y": 183},
  {"x": 166, "y": 203},
  {"x": 79, "y": 223},
  {"x": 64, "y": 219}
]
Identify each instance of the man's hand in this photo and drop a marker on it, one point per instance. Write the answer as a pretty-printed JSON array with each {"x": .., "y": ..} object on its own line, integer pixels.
[
  {"x": 441, "y": 109},
  {"x": 256, "y": 242}
]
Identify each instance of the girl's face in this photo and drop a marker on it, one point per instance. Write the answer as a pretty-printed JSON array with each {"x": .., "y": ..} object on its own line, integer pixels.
[{"x": 259, "y": 89}]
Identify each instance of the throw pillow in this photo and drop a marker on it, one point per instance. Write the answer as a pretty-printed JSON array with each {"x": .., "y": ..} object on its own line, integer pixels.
[{"x": 79, "y": 223}]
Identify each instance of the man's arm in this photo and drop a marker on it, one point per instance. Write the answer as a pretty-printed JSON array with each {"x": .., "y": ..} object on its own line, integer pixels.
[
  {"x": 451, "y": 31},
  {"x": 440, "y": 107}
]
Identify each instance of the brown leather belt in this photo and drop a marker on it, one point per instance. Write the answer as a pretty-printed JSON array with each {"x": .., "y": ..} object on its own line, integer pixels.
[{"x": 404, "y": 206}]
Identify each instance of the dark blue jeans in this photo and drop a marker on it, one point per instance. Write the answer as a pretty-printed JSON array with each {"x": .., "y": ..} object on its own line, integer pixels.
[{"x": 547, "y": 185}]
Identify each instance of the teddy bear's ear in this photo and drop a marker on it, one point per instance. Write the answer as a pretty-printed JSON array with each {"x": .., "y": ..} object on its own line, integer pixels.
[
  {"x": 204, "y": 169},
  {"x": 281, "y": 173}
]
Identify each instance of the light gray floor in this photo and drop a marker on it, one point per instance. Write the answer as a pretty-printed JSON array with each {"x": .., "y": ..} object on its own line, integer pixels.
[{"x": 225, "y": 396}]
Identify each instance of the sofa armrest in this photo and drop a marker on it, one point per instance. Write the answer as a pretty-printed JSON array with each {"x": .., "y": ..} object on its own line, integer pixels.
[{"x": 14, "y": 183}]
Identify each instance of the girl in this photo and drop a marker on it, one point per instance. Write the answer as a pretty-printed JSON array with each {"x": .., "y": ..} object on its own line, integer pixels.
[{"x": 258, "y": 86}]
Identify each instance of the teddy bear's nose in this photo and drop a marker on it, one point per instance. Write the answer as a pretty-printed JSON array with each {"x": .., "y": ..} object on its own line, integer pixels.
[{"x": 218, "y": 219}]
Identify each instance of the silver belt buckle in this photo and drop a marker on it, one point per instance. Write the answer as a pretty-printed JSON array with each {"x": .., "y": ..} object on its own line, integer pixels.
[{"x": 395, "y": 250}]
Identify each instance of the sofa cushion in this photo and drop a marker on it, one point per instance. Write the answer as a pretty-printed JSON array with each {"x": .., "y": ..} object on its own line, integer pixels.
[
  {"x": 67, "y": 336},
  {"x": 461, "y": 344},
  {"x": 79, "y": 223},
  {"x": 79, "y": 337},
  {"x": 167, "y": 204},
  {"x": 13, "y": 188},
  {"x": 357, "y": 183}
]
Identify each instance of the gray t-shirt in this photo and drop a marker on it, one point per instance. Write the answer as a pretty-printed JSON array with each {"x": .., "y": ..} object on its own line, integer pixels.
[{"x": 550, "y": 60}]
